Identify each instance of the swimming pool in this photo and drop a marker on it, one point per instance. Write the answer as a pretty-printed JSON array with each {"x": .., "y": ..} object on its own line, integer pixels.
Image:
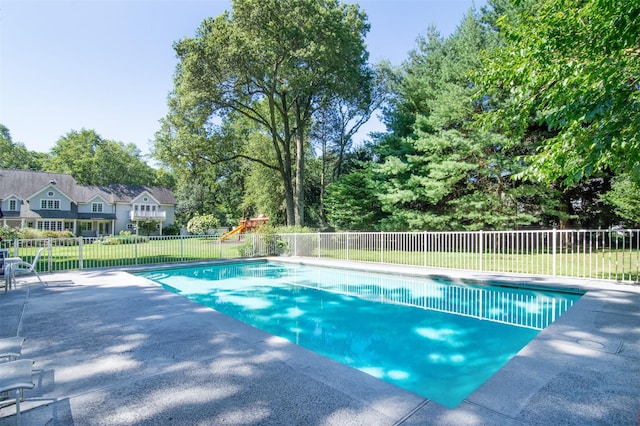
[{"x": 437, "y": 338}]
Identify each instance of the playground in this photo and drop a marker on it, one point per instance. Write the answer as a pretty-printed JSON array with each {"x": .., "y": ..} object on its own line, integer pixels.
[{"x": 246, "y": 225}]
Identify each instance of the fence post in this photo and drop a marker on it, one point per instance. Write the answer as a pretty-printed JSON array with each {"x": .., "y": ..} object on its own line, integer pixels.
[
  {"x": 181, "y": 248},
  {"x": 346, "y": 235},
  {"x": 49, "y": 241},
  {"x": 481, "y": 248},
  {"x": 15, "y": 248},
  {"x": 554, "y": 240},
  {"x": 254, "y": 248},
  {"x": 136, "y": 249},
  {"x": 424, "y": 249},
  {"x": 80, "y": 262}
]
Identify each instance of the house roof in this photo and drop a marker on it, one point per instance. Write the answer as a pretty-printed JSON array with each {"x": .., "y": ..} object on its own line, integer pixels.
[
  {"x": 25, "y": 183},
  {"x": 127, "y": 193}
]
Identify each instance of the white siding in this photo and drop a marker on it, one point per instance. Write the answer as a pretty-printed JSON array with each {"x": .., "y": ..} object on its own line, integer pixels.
[{"x": 35, "y": 201}]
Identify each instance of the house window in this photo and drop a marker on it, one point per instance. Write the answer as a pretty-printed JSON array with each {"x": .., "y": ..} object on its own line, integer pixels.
[
  {"x": 51, "y": 225},
  {"x": 145, "y": 210},
  {"x": 13, "y": 205},
  {"x": 50, "y": 204},
  {"x": 86, "y": 226},
  {"x": 97, "y": 207}
]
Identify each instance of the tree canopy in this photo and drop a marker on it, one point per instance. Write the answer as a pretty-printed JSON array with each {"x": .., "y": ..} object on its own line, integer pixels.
[
  {"x": 92, "y": 160},
  {"x": 573, "y": 66},
  {"x": 271, "y": 61},
  {"x": 14, "y": 155},
  {"x": 525, "y": 116},
  {"x": 435, "y": 169}
]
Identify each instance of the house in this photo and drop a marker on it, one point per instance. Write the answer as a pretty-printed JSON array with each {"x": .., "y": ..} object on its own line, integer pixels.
[{"x": 54, "y": 201}]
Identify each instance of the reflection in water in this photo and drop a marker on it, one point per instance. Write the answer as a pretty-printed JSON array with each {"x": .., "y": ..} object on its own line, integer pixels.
[{"x": 435, "y": 338}]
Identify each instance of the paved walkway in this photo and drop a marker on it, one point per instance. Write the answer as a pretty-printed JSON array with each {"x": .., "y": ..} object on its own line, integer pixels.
[{"x": 114, "y": 349}]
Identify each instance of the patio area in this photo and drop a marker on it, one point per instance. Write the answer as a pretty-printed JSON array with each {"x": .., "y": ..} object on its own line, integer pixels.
[{"x": 111, "y": 348}]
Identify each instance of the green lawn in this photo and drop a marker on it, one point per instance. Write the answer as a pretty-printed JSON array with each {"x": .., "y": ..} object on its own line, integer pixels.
[
  {"x": 66, "y": 256},
  {"x": 608, "y": 264}
]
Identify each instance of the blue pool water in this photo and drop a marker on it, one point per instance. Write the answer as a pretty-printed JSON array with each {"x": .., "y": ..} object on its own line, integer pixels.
[{"x": 436, "y": 338}]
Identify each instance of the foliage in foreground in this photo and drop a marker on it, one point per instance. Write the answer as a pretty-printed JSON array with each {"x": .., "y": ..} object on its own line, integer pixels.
[{"x": 572, "y": 66}]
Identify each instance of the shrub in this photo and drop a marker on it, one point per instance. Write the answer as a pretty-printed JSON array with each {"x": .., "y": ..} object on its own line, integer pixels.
[
  {"x": 125, "y": 237},
  {"x": 297, "y": 229},
  {"x": 148, "y": 227},
  {"x": 201, "y": 224},
  {"x": 173, "y": 229},
  {"x": 8, "y": 233},
  {"x": 272, "y": 243},
  {"x": 35, "y": 234},
  {"x": 58, "y": 234}
]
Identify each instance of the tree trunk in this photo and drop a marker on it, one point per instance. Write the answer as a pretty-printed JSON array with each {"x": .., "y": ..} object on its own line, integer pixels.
[
  {"x": 299, "y": 199},
  {"x": 289, "y": 201},
  {"x": 289, "y": 186},
  {"x": 283, "y": 154}
]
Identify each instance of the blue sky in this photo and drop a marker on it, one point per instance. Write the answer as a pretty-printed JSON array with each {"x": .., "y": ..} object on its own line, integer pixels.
[{"x": 108, "y": 65}]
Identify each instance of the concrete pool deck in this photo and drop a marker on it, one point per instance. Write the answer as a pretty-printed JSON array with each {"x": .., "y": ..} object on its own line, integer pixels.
[{"x": 111, "y": 348}]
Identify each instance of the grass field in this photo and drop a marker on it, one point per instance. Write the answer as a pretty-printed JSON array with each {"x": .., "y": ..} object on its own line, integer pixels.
[
  {"x": 63, "y": 255},
  {"x": 620, "y": 265}
]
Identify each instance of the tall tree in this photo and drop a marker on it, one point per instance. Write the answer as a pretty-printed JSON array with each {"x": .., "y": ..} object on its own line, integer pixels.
[
  {"x": 217, "y": 159},
  {"x": 624, "y": 197},
  {"x": 338, "y": 120},
  {"x": 273, "y": 61},
  {"x": 573, "y": 66},
  {"x": 353, "y": 203},
  {"x": 437, "y": 170},
  {"x": 92, "y": 160},
  {"x": 14, "y": 155},
  {"x": 73, "y": 154},
  {"x": 116, "y": 162}
]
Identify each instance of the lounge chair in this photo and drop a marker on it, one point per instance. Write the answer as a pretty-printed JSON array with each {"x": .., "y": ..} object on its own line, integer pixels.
[
  {"x": 11, "y": 348},
  {"x": 16, "y": 376},
  {"x": 21, "y": 267}
]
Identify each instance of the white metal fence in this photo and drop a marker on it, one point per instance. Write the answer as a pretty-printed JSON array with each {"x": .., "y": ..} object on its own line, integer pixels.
[
  {"x": 592, "y": 254},
  {"x": 62, "y": 254}
]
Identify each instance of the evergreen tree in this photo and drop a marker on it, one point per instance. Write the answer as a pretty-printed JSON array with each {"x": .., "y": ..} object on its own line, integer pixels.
[{"x": 438, "y": 171}]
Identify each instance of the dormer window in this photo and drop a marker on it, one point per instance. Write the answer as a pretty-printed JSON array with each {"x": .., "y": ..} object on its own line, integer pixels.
[
  {"x": 50, "y": 204},
  {"x": 13, "y": 205},
  {"x": 97, "y": 207}
]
